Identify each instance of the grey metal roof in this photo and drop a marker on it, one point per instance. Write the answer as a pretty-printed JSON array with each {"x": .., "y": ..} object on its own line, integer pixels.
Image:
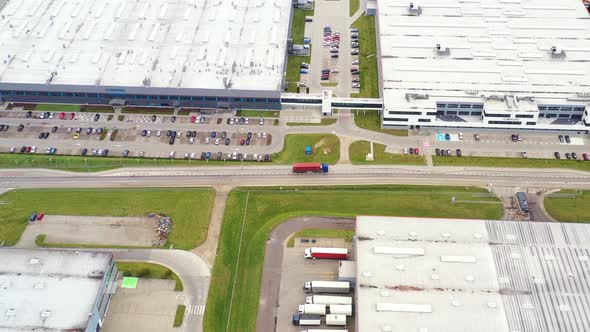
[
  {"x": 49, "y": 290},
  {"x": 497, "y": 275}
]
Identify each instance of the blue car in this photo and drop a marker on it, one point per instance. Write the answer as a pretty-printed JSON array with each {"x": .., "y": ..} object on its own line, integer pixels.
[
  {"x": 33, "y": 217},
  {"x": 303, "y": 71},
  {"x": 213, "y": 134},
  {"x": 208, "y": 155}
]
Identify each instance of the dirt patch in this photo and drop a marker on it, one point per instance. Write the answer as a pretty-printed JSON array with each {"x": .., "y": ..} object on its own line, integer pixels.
[{"x": 319, "y": 146}]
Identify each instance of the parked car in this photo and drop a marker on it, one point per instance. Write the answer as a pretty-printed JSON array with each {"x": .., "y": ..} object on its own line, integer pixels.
[
  {"x": 28, "y": 114},
  {"x": 194, "y": 118},
  {"x": 525, "y": 155},
  {"x": 213, "y": 134},
  {"x": 154, "y": 118},
  {"x": 411, "y": 150},
  {"x": 125, "y": 153},
  {"x": 557, "y": 155},
  {"x": 144, "y": 133},
  {"x": 567, "y": 139},
  {"x": 574, "y": 156},
  {"x": 561, "y": 139},
  {"x": 54, "y": 129},
  {"x": 84, "y": 152},
  {"x": 476, "y": 137},
  {"x": 207, "y": 140},
  {"x": 40, "y": 216},
  {"x": 242, "y": 142},
  {"x": 20, "y": 127},
  {"x": 585, "y": 156},
  {"x": 208, "y": 155},
  {"x": 173, "y": 118},
  {"x": 437, "y": 151},
  {"x": 448, "y": 137},
  {"x": 227, "y": 141},
  {"x": 96, "y": 117},
  {"x": 458, "y": 153},
  {"x": 568, "y": 155},
  {"x": 191, "y": 140},
  {"x": 416, "y": 151},
  {"x": 219, "y": 155}
]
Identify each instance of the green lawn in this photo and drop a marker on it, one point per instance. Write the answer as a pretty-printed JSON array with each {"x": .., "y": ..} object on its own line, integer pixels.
[
  {"x": 293, "y": 67},
  {"x": 358, "y": 151},
  {"x": 179, "y": 316},
  {"x": 371, "y": 120},
  {"x": 258, "y": 113},
  {"x": 298, "y": 24},
  {"x": 346, "y": 234},
  {"x": 268, "y": 207},
  {"x": 569, "y": 209},
  {"x": 57, "y": 108},
  {"x": 324, "y": 122},
  {"x": 90, "y": 110},
  {"x": 94, "y": 164},
  {"x": 325, "y": 148},
  {"x": 150, "y": 271},
  {"x": 367, "y": 58},
  {"x": 510, "y": 162},
  {"x": 40, "y": 241},
  {"x": 353, "y": 7},
  {"x": 190, "y": 208}
]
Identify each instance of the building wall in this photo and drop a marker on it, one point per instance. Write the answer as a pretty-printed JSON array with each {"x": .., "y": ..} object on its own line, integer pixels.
[
  {"x": 103, "y": 298},
  {"x": 35, "y": 93}
]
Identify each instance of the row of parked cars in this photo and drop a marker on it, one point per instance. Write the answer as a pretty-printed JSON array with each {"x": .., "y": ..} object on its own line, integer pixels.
[
  {"x": 415, "y": 151},
  {"x": 572, "y": 155},
  {"x": 221, "y": 156},
  {"x": 31, "y": 149},
  {"x": 447, "y": 152}
]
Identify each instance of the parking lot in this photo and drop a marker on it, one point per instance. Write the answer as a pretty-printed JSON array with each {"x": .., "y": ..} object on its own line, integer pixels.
[
  {"x": 217, "y": 137},
  {"x": 297, "y": 270},
  {"x": 121, "y": 231},
  {"x": 149, "y": 307}
]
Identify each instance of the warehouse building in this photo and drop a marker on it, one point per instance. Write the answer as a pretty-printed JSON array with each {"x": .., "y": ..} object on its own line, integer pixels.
[
  {"x": 485, "y": 64},
  {"x": 51, "y": 290},
  {"x": 442, "y": 275},
  {"x": 193, "y": 53}
]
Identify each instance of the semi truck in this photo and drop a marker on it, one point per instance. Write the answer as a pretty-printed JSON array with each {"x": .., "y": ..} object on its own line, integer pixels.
[
  {"x": 326, "y": 299},
  {"x": 326, "y": 253},
  {"x": 307, "y": 320},
  {"x": 342, "y": 287},
  {"x": 340, "y": 309},
  {"x": 310, "y": 168},
  {"x": 339, "y": 320},
  {"x": 317, "y": 309}
]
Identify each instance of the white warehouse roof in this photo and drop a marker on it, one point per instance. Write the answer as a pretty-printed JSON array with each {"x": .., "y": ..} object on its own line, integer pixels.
[
  {"x": 156, "y": 43},
  {"x": 458, "y": 275},
  {"x": 488, "y": 48},
  {"x": 49, "y": 290}
]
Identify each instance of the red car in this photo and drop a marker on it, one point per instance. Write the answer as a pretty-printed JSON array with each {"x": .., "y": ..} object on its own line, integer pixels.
[
  {"x": 62, "y": 115},
  {"x": 416, "y": 151},
  {"x": 193, "y": 119},
  {"x": 242, "y": 142},
  {"x": 585, "y": 156},
  {"x": 40, "y": 216},
  {"x": 72, "y": 116},
  {"x": 28, "y": 149}
]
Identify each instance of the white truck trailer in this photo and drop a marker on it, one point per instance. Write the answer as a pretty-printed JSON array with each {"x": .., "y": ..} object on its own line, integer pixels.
[
  {"x": 339, "y": 320},
  {"x": 316, "y": 309},
  {"x": 342, "y": 287},
  {"x": 327, "y": 299},
  {"x": 340, "y": 309}
]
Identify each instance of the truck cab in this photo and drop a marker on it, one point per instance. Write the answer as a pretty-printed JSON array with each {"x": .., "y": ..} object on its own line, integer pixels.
[{"x": 307, "y": 253}]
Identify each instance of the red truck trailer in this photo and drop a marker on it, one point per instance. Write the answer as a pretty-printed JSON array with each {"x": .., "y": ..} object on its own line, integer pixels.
[
  {"x": 310, "y": 167},
  {"x": 326, "y": 253}
]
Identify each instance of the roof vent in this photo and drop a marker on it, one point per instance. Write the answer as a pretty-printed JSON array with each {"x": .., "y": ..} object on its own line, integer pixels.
[
  {"x": 477, "y": 236},
  {"x": 583, "y": 258},
  {"x": 380, "y": 232},
  {"x": 446, "y": 236},
  {"x": 400, "y": 267},
  {"x": 45, "y": 313},
  {"x": 5, "y": 285},
  {"x": 469, "y": 277},
  {"x": 455, "y": 303},
  {"x": 11, "y": 312},
  {"x": 39, "y": 285},
  {"x": 386, "y": 328},
  {"x": 564, "y": 307},
  {"x": 413, "y": 236},
  {"x": 557, "y": 51},
  {"x": 367, "y": 274},
  {"x": 492, "y": 305},
  {"x": 442, "y": 49},
  {"x": 435, "y": 277},
  {"x": 414, "y": 8},
  {"x": 34, "y": 261},
  {"x": 538, "y": 280},
  {"x": 384, "y": 294},
  {"x": 527, "y": 306}
]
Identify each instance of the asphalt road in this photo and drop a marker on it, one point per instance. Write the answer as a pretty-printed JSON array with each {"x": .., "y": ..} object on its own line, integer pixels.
[
  {"x": 273, "y": 259},
  {"x": 282, "y": 176}
]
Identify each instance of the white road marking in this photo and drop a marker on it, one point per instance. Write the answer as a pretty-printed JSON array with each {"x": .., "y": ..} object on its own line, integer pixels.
[{"x": 196, "y": 309}]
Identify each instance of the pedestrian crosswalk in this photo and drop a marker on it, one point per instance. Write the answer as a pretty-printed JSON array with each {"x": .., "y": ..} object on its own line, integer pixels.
[{"x": 196, "y": 309}]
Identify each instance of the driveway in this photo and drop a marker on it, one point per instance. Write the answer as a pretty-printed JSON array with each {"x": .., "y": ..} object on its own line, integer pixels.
[{"x": 273, "y": 259}]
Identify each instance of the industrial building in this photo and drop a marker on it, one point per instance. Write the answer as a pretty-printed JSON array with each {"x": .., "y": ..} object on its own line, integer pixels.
[
  {"x": 52, "y": 290},
  {"x": 485, "y": 64},
  {"x": 441, "y": 275},
  {"x": 193, "y": 53}
]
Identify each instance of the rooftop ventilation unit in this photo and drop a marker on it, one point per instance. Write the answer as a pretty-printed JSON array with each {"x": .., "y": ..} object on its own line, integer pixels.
[
  {"x": 442, "y": 49},
  {"x": 45, "y": 313},
  {"x": 557, "y": 51},
  {"x": 415, "y": 9}
]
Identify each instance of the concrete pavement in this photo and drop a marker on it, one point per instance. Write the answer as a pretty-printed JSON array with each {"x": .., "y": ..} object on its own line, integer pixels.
[{"x": 273, "y": 258}]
